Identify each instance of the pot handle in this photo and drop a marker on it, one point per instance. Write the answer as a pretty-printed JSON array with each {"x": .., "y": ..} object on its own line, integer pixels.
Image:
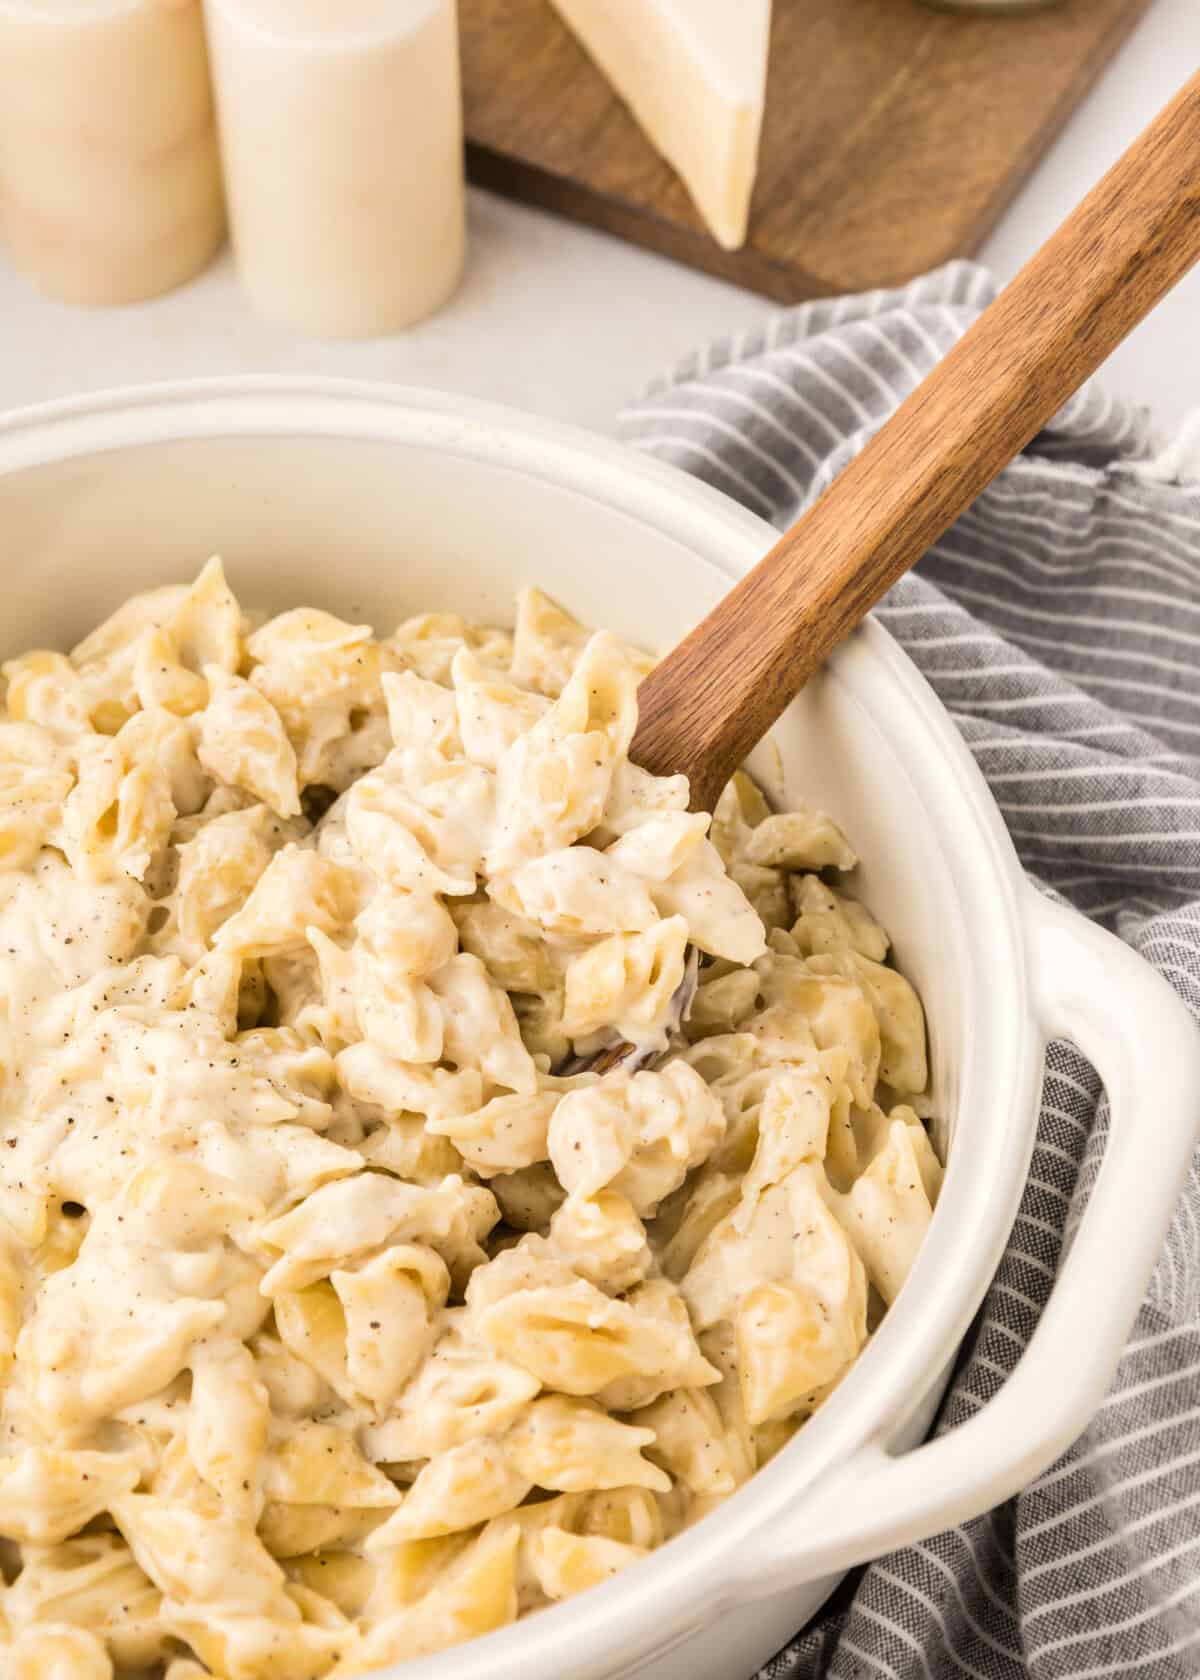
[{"x": 1092, "y": 989}]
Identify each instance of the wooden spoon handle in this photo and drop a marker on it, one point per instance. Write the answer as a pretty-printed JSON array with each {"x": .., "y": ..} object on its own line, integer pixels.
[{"x": 1135, "y": 234}]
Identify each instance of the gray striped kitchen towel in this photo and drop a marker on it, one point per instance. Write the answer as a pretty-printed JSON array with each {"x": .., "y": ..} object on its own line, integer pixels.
[{"x": 1059, "y": 621}]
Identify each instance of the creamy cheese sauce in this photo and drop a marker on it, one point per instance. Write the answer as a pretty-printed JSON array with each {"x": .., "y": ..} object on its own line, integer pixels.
[{"x": 336, "y": 1326}]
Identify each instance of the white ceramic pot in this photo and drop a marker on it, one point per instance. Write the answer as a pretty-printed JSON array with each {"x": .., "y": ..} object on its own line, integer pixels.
[{"x": 377, "y": 503}]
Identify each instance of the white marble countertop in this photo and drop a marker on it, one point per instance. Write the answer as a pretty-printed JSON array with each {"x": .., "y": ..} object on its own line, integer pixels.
[{"x": 570, "y": 323}]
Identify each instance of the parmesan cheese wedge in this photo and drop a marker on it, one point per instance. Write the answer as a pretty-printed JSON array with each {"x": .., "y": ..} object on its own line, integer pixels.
[{"x": 694, "y": 74}]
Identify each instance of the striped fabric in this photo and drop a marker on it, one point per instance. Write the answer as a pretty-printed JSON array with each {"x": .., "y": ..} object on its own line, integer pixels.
[{"x": 1059, "y": 622}]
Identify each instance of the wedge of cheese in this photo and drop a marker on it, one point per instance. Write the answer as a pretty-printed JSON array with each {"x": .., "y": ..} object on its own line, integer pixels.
[{"x": 694, "y": 74}]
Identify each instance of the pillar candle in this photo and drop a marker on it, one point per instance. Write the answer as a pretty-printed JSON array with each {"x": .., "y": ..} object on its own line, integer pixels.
[
  {"x": 110, "y": 184},
  {"x": 341, "y": 133}
]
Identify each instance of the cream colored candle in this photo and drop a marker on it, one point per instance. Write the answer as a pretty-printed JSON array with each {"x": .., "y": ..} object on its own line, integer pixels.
[
  {"x": 341, "y": 132},
  {"x": 110, "y": 185}
]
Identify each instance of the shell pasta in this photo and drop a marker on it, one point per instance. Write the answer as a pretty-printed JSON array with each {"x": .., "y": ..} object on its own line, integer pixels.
[{"x": 340, "y": 1321}]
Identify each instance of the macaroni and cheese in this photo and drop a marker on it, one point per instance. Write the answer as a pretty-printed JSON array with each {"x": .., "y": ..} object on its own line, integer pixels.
[{"x": 338, "y": 1323}]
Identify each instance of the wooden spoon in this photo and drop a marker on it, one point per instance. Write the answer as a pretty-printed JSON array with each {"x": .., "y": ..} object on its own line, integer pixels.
[
  {"x": 712, "y": 699},
  {"x": 715, "y": 696}
]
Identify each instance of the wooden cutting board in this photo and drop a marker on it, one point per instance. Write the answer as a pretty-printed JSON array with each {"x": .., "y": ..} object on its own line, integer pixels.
[{"x": 894, "y": 135}]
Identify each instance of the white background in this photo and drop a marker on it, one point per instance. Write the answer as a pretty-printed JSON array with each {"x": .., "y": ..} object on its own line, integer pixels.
[{"x": 571, "y": 323}]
